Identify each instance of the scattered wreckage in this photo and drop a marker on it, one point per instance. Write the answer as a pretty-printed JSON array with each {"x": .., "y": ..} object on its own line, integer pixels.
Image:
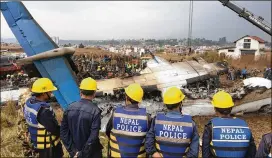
[{"x": 197, "y": 77}]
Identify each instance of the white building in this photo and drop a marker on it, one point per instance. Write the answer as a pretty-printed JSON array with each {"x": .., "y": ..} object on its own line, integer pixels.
[
  {"x": 135, "y": 49},
  {"x": 228, "y": 51},
  {"x": 245, "y": 45},
  {"x": 112, "y": 49}
]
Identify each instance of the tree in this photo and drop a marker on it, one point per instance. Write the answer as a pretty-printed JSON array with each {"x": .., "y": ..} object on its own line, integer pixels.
[{"x": 81, "y": 45}]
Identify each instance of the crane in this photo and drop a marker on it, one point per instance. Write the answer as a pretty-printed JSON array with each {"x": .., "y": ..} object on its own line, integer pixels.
[
  {"x": 191, "y": 7},
  {"x": 255, "y": 20}
]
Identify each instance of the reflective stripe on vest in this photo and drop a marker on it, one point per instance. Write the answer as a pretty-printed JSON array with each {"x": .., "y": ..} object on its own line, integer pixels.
[
  {"x": 230, "y": 137},
  {"x": 40, "y": 137},
  {"x": 173, "y": 135},
  {"x": 128, "y": 134}
]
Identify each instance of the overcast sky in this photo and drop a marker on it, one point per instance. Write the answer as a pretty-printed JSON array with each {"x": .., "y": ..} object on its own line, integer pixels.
[{"x": 99, "y": 20}]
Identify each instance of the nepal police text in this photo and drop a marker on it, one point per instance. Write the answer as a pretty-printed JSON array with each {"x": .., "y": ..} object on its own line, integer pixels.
[
  {"x": 130, "y": 125},
  {"x": 232, "y": 134},
  {"x": 172, "y": 131}
]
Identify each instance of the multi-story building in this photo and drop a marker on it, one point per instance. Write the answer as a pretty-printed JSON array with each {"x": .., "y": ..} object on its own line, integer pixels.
[{"x": 245, "y": 45}]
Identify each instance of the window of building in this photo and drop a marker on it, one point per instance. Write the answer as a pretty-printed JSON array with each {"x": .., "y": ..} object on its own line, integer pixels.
[
  {"x": 246, "y": 45},
  {"x": 247, "y": 40},
  {"x": 230, "y": 50}
]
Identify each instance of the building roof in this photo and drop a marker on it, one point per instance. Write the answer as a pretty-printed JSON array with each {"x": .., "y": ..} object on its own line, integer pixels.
[{"x": 252, "y": 37}]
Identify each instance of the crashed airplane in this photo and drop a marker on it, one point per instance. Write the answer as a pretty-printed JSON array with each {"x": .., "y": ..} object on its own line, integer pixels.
[{"x": 160, "y": 74}]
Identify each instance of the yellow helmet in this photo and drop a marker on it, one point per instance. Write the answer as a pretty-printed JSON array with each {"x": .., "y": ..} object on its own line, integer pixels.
[
  {"x": 173, "y": 95},
  {"x": 222, "y": 100},
  {"x": 88, "y": 84},
  {"x": 135, "y": 92},
  {"x": 43, "y": 85}
]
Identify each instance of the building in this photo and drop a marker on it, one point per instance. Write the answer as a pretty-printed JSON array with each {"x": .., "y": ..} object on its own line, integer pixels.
[
  {"x": 228, "y": 51},
  {"x": 245, "y": 45},
  {"x": 112, "y": 49}
]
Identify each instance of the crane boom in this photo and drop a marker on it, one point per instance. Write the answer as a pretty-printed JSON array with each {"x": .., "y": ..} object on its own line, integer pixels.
[{"x": 257, "y": 21}]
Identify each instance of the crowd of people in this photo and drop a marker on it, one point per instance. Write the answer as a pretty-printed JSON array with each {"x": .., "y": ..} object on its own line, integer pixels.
[
  {"x": 19, "y": 79},
  {"x": 131, "y": 130},
  {"x": 236, "y": 73},
  {"x": 105, "y": 66}
]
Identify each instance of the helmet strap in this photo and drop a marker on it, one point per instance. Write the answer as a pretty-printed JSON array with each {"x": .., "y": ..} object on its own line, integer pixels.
[{"x": 48, "y": 96}]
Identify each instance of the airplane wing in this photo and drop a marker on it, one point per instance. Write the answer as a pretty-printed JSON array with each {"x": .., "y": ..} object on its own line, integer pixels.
[{"x": 35, "y": 40}]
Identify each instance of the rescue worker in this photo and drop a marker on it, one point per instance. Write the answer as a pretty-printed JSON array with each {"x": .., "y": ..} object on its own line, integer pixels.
[
  {"x": 129, "y": 68},
  {"x": 265, "y": 147},
  {"x": 172, "y": 134},
  {"x": 226, "y": 136},
  {"x": 128, "y": 125},
  {"x": 81, "y": 124},
  {"x": 98, "y": 69},
  {"x": 104, "y": 72},
  {"x": 22, "y": 127},
  {"x": 244, "y": 73},
  {"x": 42, "y": 124},
  {"x": 8, "y": 76}
]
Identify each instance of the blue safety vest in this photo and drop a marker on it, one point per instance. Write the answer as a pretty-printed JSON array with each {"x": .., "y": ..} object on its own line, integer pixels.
[
  {"x": 40, "y": 137},
  {"x": 230, "y": 137},
  {"x": 128, "y": 133},
  {"x": 173, "y": 135}
]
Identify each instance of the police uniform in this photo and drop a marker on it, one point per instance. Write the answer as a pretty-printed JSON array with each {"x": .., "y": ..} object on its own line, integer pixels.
[
  {"x": 22, "y": 128},
  {"x": 81, "y": 124},
  {"x": 128, "y": 126},
  {"x": 230, "y": 137},
  {"x": 126, "y": 130},
  {"x": 37, "y": 115},
  {"x": 265, "y": 147},
  {"x": 173, "y": 134},
  {"x": 226, "y": 136}
]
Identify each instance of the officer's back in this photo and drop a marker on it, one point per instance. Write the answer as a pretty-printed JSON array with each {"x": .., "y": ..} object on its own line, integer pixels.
[
  {"x": 80, "y": 115},
  {"x": 81, "y": 124},
  {"x": 226, "y": 136}
]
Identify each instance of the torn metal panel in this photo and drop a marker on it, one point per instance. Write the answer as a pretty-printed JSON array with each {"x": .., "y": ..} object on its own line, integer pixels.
[
  {"x": 162, "y": 74},
  {"x": 257, "y": 82}
]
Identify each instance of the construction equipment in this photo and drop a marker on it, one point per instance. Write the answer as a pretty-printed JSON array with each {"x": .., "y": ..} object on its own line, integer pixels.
[
  {"x": 191, "y": 11},
  {"x": 257, "y": 21}
]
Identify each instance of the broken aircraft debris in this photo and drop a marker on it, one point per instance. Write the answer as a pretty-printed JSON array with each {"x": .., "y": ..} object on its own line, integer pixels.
[{"x": 196, "y": 78}]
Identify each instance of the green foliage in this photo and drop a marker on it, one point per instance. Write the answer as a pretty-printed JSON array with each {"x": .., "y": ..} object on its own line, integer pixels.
[{"x": 81, "y": 45}]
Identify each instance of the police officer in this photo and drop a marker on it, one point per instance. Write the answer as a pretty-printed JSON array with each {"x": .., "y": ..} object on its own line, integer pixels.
[
  {"x": 81, "y": 124},
  {"x": 128, "y": 125},
  {"x": 265, "y": 147},
  {"x": 42, "y": 124},
  {"x": 172, "y": 134},
  {"x": 226, "y": 136}
]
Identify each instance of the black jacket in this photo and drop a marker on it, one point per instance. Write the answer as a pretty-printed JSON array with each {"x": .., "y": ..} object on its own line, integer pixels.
[{"x": 265, "y": 147}]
